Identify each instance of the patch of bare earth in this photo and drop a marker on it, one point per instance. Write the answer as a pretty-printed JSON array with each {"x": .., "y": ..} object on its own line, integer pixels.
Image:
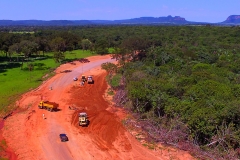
[{"x": 33, "y": 138}]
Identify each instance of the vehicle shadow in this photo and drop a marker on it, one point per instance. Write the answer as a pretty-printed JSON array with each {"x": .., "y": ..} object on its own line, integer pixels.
[
  {"x": 88, "y": 123},
  {"x": 91, "y": 82},
  {"x": 57, "y": 110}
]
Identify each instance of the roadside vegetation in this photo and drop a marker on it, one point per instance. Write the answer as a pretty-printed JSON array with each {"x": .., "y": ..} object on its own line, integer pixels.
[
  {"x": 3, "y": 147},
  {"x": 182, "y": 83}
]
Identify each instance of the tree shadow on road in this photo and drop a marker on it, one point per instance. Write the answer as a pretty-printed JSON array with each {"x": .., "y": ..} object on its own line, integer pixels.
[{"x": 84, "y": 60}]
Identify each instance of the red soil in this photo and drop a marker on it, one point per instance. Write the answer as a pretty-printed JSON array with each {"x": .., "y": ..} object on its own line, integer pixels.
[
  {"x": 7, "y": 151},
  {"x": 32, "y": 137}
]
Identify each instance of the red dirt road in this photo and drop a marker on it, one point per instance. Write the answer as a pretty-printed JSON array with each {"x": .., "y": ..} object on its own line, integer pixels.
[{"x": 33, "y": 138}]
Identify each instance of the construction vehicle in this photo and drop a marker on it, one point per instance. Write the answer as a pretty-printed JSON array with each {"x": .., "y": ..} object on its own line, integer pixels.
[
  {"x": 50, "y": 106},
  {"x": 75, "y": 79},
  {"x": 84, "y": 79},
  {"x": 63, "y": 137},
  {"x": 90, "y": 80},
  {"x": 83, "y": 119}
]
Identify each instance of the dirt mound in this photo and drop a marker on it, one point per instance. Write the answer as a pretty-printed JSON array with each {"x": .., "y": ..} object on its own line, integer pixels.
[
  {"x": 104, "y": 127},
  {"x": 89, "y": 97}
]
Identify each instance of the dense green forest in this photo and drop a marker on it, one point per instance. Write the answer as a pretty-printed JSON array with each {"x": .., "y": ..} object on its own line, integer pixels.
[{"x": 183, "y": 79}]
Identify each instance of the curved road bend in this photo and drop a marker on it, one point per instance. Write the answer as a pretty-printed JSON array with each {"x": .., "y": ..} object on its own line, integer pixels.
[
  {"x": 62, "y": 150},
  {"x": 68, "y": 78}
]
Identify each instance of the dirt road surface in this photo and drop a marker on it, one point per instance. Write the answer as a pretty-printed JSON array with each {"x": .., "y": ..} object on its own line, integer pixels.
[{"x": 33, "y": 137}]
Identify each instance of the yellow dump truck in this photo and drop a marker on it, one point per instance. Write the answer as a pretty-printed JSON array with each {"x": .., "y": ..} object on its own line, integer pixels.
[
  {"x": 83, "y": 119},
  {"x": 50, "y": 106}
]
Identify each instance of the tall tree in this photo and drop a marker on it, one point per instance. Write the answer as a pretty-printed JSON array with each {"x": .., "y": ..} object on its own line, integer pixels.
[
  {"x": 58, "y": 57},
  {"x": 15, "y": 48},
  {"x": 86, "y": 44},
  {"x": 28, "y": 47},
  {"x": 58, "y": 44}
]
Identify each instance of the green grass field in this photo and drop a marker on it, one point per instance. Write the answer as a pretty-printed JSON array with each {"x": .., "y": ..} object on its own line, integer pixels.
[
  {"x": 14, "y": 81},
  {"x": 21, "y": 32}
]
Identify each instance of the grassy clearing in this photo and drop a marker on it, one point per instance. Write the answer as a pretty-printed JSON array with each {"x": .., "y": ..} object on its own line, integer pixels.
[
  {"x": 15, "y": 81},
  {"x": 21, "y": 32},
  {"x": 76, "y": 54}
]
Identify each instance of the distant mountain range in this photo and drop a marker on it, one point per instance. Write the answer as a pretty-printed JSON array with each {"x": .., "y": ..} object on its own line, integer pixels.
[
  {"x": 169, "y": 20},
  {"x": 235, "y": 19}
]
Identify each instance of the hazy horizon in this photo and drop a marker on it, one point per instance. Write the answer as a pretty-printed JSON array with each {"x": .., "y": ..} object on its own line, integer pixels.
[{"x": 212, "y": 11}]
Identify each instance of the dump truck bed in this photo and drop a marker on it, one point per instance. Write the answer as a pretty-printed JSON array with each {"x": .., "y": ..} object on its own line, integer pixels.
[
  {"x": 51, "y": 104},
  {"x": 48, "y": 105}
]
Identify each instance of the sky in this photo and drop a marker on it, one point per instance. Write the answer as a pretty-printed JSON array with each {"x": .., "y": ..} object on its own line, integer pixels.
[{"x": 192, "y": 10}]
